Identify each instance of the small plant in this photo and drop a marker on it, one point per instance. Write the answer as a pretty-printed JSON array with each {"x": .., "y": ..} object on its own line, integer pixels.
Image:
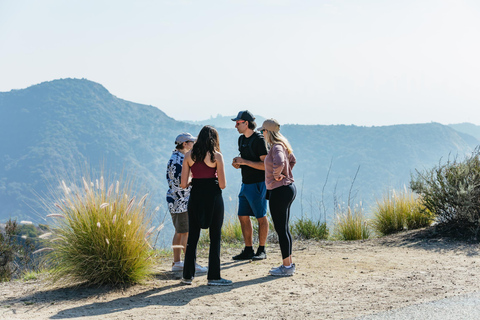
[
  {"x": 350, "y": 225},
  {"x": 101, "y": 235},
  {"x": 308, "y": 229}
]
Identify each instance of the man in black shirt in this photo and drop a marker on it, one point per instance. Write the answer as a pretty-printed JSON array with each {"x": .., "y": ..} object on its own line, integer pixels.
[{"x": 251, "y": 199}]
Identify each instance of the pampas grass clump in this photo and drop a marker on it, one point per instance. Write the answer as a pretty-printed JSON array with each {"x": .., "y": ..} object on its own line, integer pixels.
[
  {"x": 351, "y": 224},
  {"x": 101, "y": 235},
  {"x": 398, "y": 211}
]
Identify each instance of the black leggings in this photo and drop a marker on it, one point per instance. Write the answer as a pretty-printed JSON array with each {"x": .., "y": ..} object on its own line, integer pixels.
[
  {"x": 280, "y": 201},
  {"x": 194, "y": 228}
]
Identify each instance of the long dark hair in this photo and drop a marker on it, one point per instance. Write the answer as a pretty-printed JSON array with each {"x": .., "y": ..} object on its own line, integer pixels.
[{"x": 207, "y": 141}]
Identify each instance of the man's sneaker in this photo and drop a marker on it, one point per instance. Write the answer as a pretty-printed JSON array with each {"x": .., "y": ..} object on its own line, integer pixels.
[
  {"x": 244, "y": 255},
  {"x": 260, "y": 256},
  {"x": 200, "y": 270},
  {"x": 282, "y": 271},
  {"x": 177, "y": 266},
  {"x": 220, "y": 282},
  {"x": 186, "y": 281}
]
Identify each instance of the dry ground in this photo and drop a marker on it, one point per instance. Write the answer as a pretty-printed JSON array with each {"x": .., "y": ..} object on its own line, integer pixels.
[{"x": 334, "y": 280}]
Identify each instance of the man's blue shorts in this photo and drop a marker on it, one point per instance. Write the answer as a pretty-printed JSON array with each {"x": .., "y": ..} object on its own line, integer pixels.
[{"x": 251, "y": 200}]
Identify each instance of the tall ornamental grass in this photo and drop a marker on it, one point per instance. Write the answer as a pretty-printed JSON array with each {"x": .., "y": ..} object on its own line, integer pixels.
[
  {"x": 101, "y": 234},
  {"x": 351, "y": 224},
  {"x": 398, "y": 211}
]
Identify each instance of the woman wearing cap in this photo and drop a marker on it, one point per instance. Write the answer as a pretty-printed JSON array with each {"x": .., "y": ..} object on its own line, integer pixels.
[
  {"x": 177, "y": 199},
  {"x": 205, "y": 206},
  {"x": 281, "y": 190}
]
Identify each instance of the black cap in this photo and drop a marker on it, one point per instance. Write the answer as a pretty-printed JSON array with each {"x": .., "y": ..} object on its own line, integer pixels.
[{"x": 245, "y": 115}]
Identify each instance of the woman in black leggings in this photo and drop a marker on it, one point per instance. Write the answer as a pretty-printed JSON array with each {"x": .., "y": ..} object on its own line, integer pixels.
[{"x": 281, "y": 189}]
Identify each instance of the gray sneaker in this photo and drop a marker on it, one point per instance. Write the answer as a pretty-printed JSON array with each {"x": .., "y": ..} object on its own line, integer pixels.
[
  {"x": 186, "y": 281},
  {"x": 220, "y": 282},
  {"x": 282, "y": 271}
]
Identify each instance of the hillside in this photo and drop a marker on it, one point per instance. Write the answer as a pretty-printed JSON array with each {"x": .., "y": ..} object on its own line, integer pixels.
[
  {"x": 53, "y": 129},
  {"x": 467, "y": 128}
]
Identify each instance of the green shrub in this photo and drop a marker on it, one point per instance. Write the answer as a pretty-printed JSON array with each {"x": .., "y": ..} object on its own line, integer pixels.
[
  {"x": 451, "y": 191},
  {"x": 101, "y": 235},
  {"x": 308, "y": 229},
  {"x": 350, "y": 225},
  {"x": 15, "y": 252}
]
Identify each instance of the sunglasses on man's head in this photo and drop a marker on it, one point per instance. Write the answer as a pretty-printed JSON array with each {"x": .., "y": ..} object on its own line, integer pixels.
[{"x": 238, "y": 122}]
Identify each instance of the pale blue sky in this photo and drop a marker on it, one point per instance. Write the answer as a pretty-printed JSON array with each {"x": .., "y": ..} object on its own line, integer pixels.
[{"x": 308, "y": 62}]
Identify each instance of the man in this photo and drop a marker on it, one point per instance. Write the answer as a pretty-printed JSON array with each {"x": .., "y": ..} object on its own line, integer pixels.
[{"x": 251, "y": 199}]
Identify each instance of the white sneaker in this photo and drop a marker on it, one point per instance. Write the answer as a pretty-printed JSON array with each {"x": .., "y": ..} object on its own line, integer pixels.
[
  {"x": 177, "y": 266},
  {"x": 199, "y": 269}
]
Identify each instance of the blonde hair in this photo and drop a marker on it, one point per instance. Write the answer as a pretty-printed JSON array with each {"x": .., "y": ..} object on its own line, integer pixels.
[{"x": 276, "y": 137}]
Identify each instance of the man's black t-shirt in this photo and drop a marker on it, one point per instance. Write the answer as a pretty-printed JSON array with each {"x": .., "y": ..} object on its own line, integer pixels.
[{"x": 252, "y": 148}]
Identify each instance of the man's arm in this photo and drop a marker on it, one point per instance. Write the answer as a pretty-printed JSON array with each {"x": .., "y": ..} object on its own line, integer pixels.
[{"x": 259, "y": 165}]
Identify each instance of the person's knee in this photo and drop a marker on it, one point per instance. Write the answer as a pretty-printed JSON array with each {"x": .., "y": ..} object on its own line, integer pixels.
[
  {"x": 244, "y": 219},
  {"x": 263, "y": 220}
]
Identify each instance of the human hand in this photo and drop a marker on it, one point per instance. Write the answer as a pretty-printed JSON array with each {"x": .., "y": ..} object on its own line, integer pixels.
[
  {"x": 280, "y": 178},
  {"x": 238, "y": 161}
]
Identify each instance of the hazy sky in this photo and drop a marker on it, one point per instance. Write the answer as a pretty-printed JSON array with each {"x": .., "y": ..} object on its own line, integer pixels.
[{"x": 357, "y": 62}]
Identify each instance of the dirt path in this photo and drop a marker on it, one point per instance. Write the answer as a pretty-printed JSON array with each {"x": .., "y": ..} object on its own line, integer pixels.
[{"x": 334, "y": 280}]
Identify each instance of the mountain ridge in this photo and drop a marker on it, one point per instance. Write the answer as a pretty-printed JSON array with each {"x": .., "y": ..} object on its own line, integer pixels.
[{"x": 54, "y": 128}]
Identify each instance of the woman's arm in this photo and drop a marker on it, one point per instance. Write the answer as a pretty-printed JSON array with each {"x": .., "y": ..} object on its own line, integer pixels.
[
  {"x": 186, "y": 171},
  {"x": 292, "y": 160},
  {"x": 222, "y": 182},
  {"x": 278, "y": 156}
]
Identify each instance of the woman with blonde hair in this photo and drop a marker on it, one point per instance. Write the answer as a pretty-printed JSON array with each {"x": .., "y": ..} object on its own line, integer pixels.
[
  {"x": 281, "y": 190},
  {"x": 205, "y": 205}
]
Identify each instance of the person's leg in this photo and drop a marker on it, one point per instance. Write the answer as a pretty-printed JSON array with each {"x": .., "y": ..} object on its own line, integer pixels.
[
  {"x": 280, "y": 201},
  {"x": 191, "y": 251},
  {"x": 183, "y": 242},
  {"x": 179, "y": 239},
  {"x": 247, "y": 230},
  {"x": 258, "y": 203},
  {"x": 244, "y": 213},
  {"x": 262, "y": 231},
  {"x": 215, "y": 232},
  {"x": 293, "y": 189},
  {"x": 180, "y": 222}
]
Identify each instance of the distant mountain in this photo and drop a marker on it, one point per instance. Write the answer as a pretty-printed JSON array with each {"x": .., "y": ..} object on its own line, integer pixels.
[
  {"x": 52, "y": 130},
  {"x": 224, "y": 121},
  {"x": 467, "y": 128}
]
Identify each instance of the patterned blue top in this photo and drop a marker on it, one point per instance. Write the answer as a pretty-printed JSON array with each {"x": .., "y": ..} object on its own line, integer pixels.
[{"x": 177, "y": 198}]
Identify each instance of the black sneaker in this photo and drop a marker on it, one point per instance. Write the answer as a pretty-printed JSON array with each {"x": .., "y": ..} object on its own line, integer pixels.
[
  {"x": 244, "y": 255},
  {"x": 260, "y": 256}
]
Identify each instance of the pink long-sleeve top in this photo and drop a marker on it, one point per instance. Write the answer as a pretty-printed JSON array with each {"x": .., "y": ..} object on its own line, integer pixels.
[{"x": 278, "y": 162}]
